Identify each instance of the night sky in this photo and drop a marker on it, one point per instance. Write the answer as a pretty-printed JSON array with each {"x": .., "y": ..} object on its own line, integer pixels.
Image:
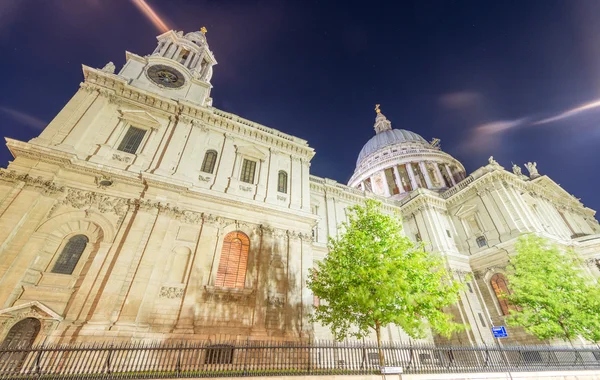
[{"x": 476, "y": 74}]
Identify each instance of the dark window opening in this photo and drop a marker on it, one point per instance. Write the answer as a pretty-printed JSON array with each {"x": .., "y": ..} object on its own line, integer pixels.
[
  {"x": 248, "y": 171},
  {"x": 481, "y": 242},
  {"x": 70, "y": 255},
  {"x": 282, "y": 182},
  {"x": 210, "y": 159},
  {"x": 132, "y": 140},
  {"x": 219, "y": 354}
]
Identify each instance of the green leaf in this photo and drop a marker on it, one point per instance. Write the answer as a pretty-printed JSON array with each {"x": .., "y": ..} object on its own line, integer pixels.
[{"x": 374, "y": 276}]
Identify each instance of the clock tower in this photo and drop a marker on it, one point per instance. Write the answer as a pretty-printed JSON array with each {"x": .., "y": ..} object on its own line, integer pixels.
[{"x": 180, "y": 67}]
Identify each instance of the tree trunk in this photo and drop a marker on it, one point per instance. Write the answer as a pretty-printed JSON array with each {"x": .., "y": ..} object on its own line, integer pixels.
[{"x": 378, "y": 332}]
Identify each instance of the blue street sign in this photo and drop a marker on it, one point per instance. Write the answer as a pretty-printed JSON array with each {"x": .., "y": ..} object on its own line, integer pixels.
[{"x": 499, "y": 332}]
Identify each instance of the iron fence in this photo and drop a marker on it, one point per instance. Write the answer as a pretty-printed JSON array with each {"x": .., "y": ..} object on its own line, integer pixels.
[{"x": 235, "y": 359}]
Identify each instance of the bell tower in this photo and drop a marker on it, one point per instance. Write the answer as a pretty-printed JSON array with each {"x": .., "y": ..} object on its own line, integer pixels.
[{"x": 179, "y": 68}]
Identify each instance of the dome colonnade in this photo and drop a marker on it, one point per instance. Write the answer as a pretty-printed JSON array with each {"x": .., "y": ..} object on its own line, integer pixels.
[{"x": 395, "y": 162}]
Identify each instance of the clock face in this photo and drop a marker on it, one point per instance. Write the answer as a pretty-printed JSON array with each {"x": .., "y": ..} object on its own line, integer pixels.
[{"x": 166, "y": 76}]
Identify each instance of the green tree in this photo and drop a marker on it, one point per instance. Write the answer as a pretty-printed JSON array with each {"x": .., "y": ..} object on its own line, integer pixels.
[
  {"x": 374, "y": 276},
  {"x": 552, "y": 296}
]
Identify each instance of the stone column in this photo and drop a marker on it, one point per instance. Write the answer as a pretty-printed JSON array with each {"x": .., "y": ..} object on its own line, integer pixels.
[
  {"x": 498, "y": 219},
  {"x": 164, "y": 47},
  {"x": 450, "y": 174},
  {"x": 74, "y": 312},
  {"x": 189, "y": 59},
  {"x": 225, "y": 163},
  {"x": 386, "y": 186},
  {"x": 198, "y": 64},
  {"x": 305, "y": 184},
  {"x": 425, "y": 174},
  {"x": 171, "y": 50},
  {"x": 190, "y": 160},
  {"x": 295, "y": 184},
  {"x": 139, "y": 289},
  {"x": 398, "y": 180},
  {"x": 138, "y": 225},
  {"x": 200, "y": 268},
  {"x": 559, "y": 224},
  {"x": 293, "y": 312},
  {"x": 439, "y": 174},
  {"x": 195, "y": 61},
  {"x": 176, "y": 54},
  {"x": 411, "y": 175},
  {"x": 307, "y": 296},
  {"x": 261, "y": 181},
  {"x": 331, "y": 215},
  {"x": 262, "y": 277}
]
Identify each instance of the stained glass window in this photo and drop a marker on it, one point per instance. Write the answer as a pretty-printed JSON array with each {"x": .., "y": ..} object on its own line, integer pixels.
[{"x": 70, "y": 255}]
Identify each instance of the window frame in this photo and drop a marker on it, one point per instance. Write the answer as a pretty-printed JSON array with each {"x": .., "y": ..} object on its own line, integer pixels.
[
  {"x": 213, "y": 164},
  {"x": 82, "y": 257},
  {"x": 140, "y": 146},
  {"x": 242, "y": 171},
  {"x": 503, "y": 303},
  {"x": 483, "y": 239},
  {"x": 282, "y": 186},
  {"x": 223, "y": 269}
]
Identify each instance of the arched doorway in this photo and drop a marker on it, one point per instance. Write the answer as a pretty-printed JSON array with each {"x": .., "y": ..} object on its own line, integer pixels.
[{"x": 22, "y": 334}]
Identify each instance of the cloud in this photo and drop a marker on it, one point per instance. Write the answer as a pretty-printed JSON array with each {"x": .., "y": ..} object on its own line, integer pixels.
[
  {"x": 572, "y": 112},
  {"x": 24, "y": 119},
  {"x": 487, "y": 136},
  {"x": 460, "y": 99}
]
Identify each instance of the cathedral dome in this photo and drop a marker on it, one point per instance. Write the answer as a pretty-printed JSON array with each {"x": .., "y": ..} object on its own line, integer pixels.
[
  {"x": 387, "y": 138},
  {"x": 395, "y": 162}
]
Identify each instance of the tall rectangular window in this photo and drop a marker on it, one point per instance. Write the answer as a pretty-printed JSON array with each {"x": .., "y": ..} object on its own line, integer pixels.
[
  {"x": 132, "y": 140},
  {"x": 248, "y": 170}
]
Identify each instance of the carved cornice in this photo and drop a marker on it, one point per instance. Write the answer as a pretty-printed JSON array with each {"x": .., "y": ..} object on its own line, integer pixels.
[
  {"x": 97, "y": 80},
  {"x": 47, "y": 187},
  {"x": 86, "y": 200}
]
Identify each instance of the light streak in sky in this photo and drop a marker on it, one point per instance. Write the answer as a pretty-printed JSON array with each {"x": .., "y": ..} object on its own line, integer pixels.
[
  {"x": 151, "y": 15},
  {"x": 569, "y": 113}
]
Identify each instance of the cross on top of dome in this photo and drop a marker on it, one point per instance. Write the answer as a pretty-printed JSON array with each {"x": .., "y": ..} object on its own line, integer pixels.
[{"x": 382, "y": 124}]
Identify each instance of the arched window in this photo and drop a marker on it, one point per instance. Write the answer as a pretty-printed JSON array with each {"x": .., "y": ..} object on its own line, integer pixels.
[
  {"x": 481, "y": 242},
  {"x": 210, "y": 158},
  {"x": 70, "y": 255},
  {"x": 282, "y": 182},
  {"x": 500, "y": 286},
  {"x": 234, "y": 260}
]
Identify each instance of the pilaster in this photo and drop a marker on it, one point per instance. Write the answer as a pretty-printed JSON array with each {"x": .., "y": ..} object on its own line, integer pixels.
[{"x": 225, "y": 164}]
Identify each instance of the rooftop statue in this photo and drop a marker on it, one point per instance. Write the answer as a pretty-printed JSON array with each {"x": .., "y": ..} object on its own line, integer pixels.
[{"x": 532, "y": 168}]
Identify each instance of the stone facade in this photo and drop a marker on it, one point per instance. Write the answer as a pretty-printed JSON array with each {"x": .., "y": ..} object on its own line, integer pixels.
[{"x": 142, "y": 212}]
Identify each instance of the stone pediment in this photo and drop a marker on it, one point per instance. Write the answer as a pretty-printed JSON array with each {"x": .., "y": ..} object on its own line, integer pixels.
[
  {"x": 33, "y": 309},
  {"x": 252, "y": 151},
  {"x": 465, "y": 210},
  {"x": 142, "y": 118},
  {"x": 553, "y": 187}
]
